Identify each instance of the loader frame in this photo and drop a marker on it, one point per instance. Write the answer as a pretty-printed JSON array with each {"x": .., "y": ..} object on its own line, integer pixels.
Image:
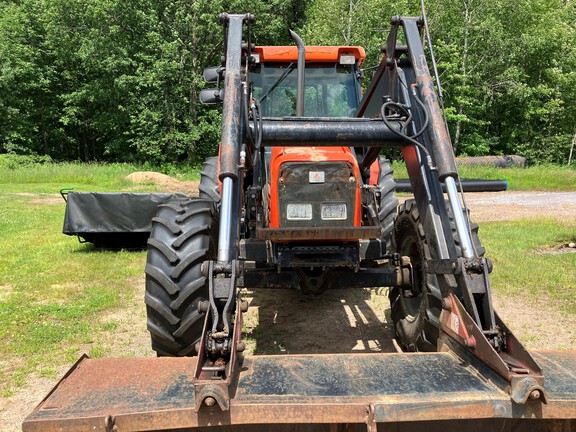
[{"x": 403, "y": 79}]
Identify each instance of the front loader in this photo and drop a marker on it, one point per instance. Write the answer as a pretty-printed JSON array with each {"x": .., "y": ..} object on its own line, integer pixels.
[{"x": 301, "y": 196}]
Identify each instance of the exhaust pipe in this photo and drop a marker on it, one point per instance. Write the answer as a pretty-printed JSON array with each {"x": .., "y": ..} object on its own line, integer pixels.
[{"x": 300, "y": 79}]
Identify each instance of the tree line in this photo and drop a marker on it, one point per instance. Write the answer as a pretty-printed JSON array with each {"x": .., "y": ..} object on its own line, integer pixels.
[{"x": 119, "y": 80}]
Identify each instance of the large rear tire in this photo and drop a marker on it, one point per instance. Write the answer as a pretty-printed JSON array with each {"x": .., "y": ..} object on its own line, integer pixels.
[
  {"x": 416, "y": 319},
  {"x": 388, "y": 203},
  {"x": 209, "y": 180},
  {"x": 179, "y": 243}
]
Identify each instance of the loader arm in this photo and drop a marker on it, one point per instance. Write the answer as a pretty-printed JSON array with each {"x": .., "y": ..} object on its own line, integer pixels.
[{"x": 403, "y": 78}]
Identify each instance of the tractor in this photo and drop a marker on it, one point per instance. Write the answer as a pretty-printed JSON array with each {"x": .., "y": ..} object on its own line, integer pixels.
[{"x": 301, "y": 195}]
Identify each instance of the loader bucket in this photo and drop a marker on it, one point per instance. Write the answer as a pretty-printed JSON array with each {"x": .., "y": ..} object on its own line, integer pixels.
[{"x": 309, "y": 392}]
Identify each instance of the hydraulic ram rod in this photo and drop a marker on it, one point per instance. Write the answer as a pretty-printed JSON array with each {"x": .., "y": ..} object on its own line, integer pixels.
[{"x": 231, "y": 132}]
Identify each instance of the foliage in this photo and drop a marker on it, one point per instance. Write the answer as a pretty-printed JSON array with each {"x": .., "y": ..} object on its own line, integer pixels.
[
  {"x": 508, "y": 72},
  {"x": 13, "y": 161},
  {"x": 110, "y": 80},
  {"x": 116, "y": 80},
  {"x": 507, "y": 67}
]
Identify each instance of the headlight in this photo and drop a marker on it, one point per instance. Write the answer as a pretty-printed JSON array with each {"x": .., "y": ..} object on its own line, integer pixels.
[
  {"x": 333, "y": 211},
  {"x": 299, "y": 211}
]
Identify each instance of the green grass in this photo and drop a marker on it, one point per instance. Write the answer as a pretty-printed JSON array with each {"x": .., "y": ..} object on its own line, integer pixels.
[
  {"x": 538, "y": 177},
  {"x": 523, "y": 262},
  {"x": 93, "y": 177},
  {"x": 52, "y": 288}
]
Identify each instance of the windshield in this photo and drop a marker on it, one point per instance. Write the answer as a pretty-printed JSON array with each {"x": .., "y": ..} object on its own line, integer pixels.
[{"x": 330, "y": 89}]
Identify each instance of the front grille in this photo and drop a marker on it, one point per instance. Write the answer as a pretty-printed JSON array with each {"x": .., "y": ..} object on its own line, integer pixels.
[{"x": 305, "y": 188}]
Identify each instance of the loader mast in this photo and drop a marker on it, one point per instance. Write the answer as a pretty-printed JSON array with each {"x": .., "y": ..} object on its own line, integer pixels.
[
  {"x": 404, "y": 82},
  {"x": 403, "y": 96}
]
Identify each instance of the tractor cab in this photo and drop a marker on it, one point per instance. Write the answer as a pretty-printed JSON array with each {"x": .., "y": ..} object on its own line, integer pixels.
[
  {"x": 331, "y": 87},
  {"x": 313, "y": 194}
]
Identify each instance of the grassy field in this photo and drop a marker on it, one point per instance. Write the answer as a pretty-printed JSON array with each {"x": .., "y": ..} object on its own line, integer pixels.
[
  {"x": 51, "y": 177},
  {"x": 55, "y": 291},
  {"x": 540, "y": 177},
  {"x": 525, "y": 264},
  {"x": 52, "y": 288}
]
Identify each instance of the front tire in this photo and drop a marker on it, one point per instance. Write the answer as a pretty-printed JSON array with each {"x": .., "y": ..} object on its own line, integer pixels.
[
  {"x": 179, "y": 243},
  {"x": 416, "y": 319}
]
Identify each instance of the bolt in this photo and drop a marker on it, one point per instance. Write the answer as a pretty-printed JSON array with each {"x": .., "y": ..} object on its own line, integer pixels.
[
  {"x": 197, "y": 347},
  {"x": 470, "y": 342},
  {"x": 446, "y": 305},
  {"x": 241, "y": 347},
  {"x": 203, "y": 306},
  {"x": 110, "y": 424},
  {"x": 243, "y": 306},
  {"x": 210, "y": 401},
  {"x": 535, "y": 394}
]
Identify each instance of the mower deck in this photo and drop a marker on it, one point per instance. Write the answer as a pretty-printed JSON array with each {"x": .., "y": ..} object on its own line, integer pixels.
[{"x": 158, "y": 393}]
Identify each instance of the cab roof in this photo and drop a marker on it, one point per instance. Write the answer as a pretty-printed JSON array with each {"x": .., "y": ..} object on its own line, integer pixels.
[{"x": 323, "y": 54}]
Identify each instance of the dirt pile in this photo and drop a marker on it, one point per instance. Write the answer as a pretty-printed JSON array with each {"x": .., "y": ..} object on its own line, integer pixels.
[{"x": 164, "y": 182}]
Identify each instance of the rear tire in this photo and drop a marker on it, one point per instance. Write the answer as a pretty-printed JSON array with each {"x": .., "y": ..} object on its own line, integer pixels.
[
  {"x": 179, "y": 243},
  {"x": 209, "y": 180},
  {"x": 388, "y": 203},
  {"x": 416, "y": 319}
]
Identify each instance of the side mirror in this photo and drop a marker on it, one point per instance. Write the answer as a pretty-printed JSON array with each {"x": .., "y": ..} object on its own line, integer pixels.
[
  {"x": 211, "y": 96},
  {"x": 213, "y": 74}
]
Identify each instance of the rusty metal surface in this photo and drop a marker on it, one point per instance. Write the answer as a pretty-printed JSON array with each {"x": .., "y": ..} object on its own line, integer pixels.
[
  {"x": 158, "y": 393},
  {"x": 320, "y": 233},
  {"x": 441, "y": 145}
]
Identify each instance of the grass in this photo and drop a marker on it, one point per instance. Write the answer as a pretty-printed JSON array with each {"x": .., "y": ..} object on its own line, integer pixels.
[
  {"x": 524, "y": 264},
  {"x": 93, "y": 177},
  {"x": 538, "y": 177},
  {"x": 55, "y": 292},
  {"x": 52, "y": 289}
]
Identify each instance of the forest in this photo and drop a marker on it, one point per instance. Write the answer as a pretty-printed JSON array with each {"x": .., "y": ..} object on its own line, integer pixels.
[{"x": 118, "y": 80}]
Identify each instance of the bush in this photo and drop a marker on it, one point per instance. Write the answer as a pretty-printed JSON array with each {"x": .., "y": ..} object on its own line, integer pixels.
[{"x": 14, "y": 161}]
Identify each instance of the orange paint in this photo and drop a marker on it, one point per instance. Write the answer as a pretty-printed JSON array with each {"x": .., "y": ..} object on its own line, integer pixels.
[
  {"x": 319, "y": 54},
  {"x": 281, "y": 155}
]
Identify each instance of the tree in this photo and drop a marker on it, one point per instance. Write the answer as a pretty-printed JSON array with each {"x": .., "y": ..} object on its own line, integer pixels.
[{"x": 118, "y": 80}]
